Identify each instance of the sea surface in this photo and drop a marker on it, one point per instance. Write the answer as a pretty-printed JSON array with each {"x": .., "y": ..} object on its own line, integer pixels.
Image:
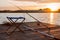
[{"x": 43, "y": 17}]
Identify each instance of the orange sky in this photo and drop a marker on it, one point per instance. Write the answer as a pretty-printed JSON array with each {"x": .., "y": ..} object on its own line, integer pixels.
[{"x": 26, "y": 4}]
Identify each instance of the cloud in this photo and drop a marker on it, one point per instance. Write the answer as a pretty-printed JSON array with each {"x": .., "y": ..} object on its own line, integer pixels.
[
  {"x": 4, "y": 3},
  {"x": 32, "y": 0},
  {"x": 41, "y": 1},
  {"x": 26, "y": 0}
]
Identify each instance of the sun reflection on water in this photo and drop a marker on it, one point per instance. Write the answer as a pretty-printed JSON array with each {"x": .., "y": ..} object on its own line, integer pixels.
[{"x": 51, "y": 18}]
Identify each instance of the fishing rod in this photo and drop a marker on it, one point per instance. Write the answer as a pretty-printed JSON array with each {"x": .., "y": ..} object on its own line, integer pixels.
[
  {"x": 30, "y": 16},
  {"x": 38, "y": 23}
]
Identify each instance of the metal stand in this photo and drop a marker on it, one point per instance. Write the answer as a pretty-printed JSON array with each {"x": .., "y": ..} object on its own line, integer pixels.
[{"x": 11, "y": 19}]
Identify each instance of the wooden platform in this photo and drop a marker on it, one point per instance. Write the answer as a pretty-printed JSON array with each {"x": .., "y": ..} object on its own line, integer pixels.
[{"x": 29, "y": 34}]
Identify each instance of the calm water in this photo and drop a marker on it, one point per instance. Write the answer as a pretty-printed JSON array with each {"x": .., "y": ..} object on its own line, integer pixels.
[{"x": 43, "y": 17}]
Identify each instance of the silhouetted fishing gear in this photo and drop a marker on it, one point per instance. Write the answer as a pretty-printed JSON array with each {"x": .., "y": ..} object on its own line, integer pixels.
[
  {"x": 30, "y": 16},
  {"x": 38, "y": 22},
  {"x": 45, "y": 34}
]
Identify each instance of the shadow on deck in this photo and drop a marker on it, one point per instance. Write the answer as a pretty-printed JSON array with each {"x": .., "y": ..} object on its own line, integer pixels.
[{"x": 29, "y": 35}]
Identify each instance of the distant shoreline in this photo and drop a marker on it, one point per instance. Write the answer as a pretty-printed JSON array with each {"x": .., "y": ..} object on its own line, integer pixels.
[{"x": 27, "y": 11}]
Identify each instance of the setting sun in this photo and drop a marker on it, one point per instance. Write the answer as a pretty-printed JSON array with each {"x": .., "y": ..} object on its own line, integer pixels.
[{"x": 52, "y": 6}]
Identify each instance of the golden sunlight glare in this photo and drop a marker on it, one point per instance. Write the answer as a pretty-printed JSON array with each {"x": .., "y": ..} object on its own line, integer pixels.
[
  {"x": 52, "y": 6},
  {"x": 51, "y": 18}
]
